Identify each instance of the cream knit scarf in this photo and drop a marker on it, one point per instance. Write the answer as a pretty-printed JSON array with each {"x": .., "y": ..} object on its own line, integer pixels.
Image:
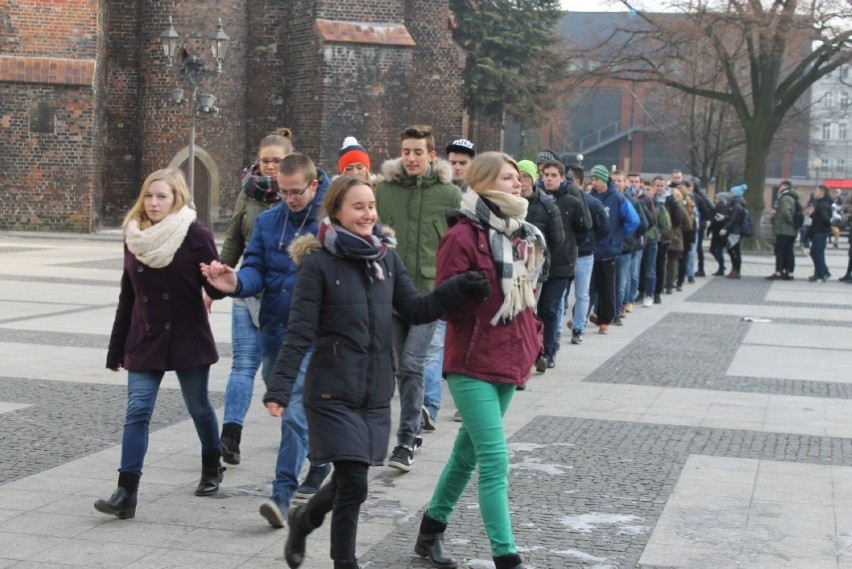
[
  {"x": 157, "y": 245},
  {"x": 517, "y": 247}
]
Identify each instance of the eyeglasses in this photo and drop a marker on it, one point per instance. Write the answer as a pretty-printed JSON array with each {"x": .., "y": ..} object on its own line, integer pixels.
[
  {"x": 268, "y": 161},
  {"x": 293, "y": 193}
]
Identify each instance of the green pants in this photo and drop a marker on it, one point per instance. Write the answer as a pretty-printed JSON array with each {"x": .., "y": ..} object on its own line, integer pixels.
[{"x": 480, "y": 442}]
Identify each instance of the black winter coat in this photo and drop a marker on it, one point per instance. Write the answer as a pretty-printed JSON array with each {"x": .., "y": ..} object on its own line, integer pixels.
[
  {"x": 599, "y": 227},
  {"x": 544, "y": 214},
  {"x": 574, "y": 223},
  {"x": 821, "y": 216},
  {"x": 349, "y": 381}
]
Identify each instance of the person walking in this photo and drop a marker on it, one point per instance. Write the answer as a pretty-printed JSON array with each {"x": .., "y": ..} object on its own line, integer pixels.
[
  {"x": 487, "y": 234},
  {"x": 161, "y": 325},
  {"x": 413, "y": 200},
  {"x": 350, "y": 281},
  {"x": 267, "y": 268},
  {"x": 259, "y": 193}
]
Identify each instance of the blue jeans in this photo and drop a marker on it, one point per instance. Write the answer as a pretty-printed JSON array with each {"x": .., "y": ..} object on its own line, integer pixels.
[
  {"x": 410, "y": 346},
  {"x": 434, "y": 370},
  {"x": 142, "y": 389},
  {"x": 635, "y": 269},
  {"x": 649, "y": 268},
  {"x": 552, "y": 293},
  {"x": 293, "y": 447},
  {"x": 818, "y": 242},
  {"x": 691, "y": 257},
  {"x": 582, "y": 281},
  {"x": 622, "y": 280},
  {"x": 245, "y": 343}
]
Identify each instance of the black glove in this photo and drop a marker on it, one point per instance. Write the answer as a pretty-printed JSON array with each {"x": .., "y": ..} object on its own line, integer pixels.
[{"x": 475, "y": 284}]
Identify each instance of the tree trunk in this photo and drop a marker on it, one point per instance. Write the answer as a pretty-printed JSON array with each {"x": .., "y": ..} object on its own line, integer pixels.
[{"x": 758, "y": 141}]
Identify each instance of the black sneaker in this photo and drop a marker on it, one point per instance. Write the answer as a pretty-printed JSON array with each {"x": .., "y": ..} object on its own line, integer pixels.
[
  {"x": 418, "y": 444},
  {"x": 541, "y": 364},
  {"x": 700, "y": 273},
  {"x": 576, "y": 337},
  {"x": 457, "y": 417},
  {"x": 313, "y": 481},
  {"x": 273, "y": 513},
  {"x": 657, "y": 299},
  {"x": 401, "y": 458},
  {"x": 617, "y": 321}
]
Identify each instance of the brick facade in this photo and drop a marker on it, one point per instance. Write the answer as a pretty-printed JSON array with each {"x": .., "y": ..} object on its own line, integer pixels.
[{"x": 85, "y": 96}]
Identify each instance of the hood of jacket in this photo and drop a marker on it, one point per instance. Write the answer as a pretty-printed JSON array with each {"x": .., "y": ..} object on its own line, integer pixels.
[{"x": 440, "y": 172}]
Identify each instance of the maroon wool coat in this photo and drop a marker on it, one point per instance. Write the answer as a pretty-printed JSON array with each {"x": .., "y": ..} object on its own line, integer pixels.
[
  {"x": 161, "y": 323},
  {"x": 473, "y": 347}
]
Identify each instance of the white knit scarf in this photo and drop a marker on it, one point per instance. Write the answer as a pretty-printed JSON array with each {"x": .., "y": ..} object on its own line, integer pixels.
[
  {"x": 156, "y": 246},
  {"x": 517, "y": 248}
]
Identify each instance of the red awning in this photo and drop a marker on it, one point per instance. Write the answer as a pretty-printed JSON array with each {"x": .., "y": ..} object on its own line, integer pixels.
[{"x": 838, "y": 184}]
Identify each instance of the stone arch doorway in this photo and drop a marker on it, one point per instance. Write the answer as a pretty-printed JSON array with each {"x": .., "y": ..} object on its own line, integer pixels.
[{"x": 206, "y": 191}]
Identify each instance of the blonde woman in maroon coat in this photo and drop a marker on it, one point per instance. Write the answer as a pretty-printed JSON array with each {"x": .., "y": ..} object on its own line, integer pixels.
[
  {"x": 489, "y": 349},
  {"x": 161, "y": 325}
]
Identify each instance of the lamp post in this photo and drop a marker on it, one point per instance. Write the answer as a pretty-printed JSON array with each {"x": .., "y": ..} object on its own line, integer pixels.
[
  {"x": 580, "y": 160},
  {"x": 817, "y": 165},
  {"x": 193, "y": 72}
]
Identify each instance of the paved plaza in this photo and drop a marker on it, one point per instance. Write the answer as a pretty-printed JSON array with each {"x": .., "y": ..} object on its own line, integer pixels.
[{"x": 688, "y": 438}]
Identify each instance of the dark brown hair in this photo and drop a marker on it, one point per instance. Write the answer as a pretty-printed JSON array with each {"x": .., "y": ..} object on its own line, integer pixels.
[
  {"x": 336, "y": 193},
  {"x": 420, "y": 132}
]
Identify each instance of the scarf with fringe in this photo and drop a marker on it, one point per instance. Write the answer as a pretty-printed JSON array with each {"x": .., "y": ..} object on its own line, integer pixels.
[
  {"x": 343, "y": 243},
  {"x": 259, "y": 187},
  {"x": 517, "y": 247},
  {"x": 156, "y": 246}
]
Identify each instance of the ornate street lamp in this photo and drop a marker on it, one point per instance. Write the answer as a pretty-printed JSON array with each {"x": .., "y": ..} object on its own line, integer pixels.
[
  {"x": 192, "y": 71},
  {"x": 580, "y": 160}
]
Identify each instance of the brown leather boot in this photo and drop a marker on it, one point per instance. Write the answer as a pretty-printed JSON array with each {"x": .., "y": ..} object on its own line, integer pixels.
[{"x": 733, "y": 274}]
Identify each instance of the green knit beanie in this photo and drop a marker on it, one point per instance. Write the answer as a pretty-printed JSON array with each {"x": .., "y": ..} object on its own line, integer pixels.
[
  {"x": 600, "y": 172},
  {"x": 528, "y": 167}
]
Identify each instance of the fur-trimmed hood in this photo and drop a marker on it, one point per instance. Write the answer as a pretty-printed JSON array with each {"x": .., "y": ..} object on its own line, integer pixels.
[
  {"x": 304, "y": 245},
  {"x": 393, "y": 171}
]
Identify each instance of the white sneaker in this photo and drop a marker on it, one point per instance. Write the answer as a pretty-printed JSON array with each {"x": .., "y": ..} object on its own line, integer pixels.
[{"x": 648, "y": 302}]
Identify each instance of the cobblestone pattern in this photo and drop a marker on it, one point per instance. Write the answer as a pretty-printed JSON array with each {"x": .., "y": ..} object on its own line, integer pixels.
[
  {"x": 588, "y": 493},
  {"x": 749, "y": 290},
  {"x": 68, "y": 420},
  {"x": 680, "y": 340}
]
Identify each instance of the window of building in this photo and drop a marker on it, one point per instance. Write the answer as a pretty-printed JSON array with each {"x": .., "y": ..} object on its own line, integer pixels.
[
  {"x": 829, "y": 100},
  {"x": 841, "y": 131},
  {"x": 844, "y": 100},
  {"x": 844, "y": 72},
  {"x": 826, "y": 131},
  {"x": 841, "y": 166}
]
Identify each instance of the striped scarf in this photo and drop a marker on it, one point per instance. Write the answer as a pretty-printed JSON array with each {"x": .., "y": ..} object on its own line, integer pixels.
[
  {"x": 517, "y": 247},
  {"x": 343, "y": 243}
]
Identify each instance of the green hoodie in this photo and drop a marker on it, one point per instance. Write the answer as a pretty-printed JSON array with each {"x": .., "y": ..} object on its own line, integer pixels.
[{"x": 415, "y": 207}]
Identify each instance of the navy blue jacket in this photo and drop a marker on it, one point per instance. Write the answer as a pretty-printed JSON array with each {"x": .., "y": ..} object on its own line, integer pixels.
[
  {"x": 267, "y": 267},
  {"x": 623, "y": 221},
  {"x": 600, "y": 226}
]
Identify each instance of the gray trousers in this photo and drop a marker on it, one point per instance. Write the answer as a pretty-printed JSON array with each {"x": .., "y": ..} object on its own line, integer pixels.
[{"x": 410, "y": 346}]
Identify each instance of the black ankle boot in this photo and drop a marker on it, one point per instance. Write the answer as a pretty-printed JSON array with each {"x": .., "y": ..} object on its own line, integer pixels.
[
  {"x": 300, "y": 527},
  {"x": 346, "y": 565},
  {"x": 232, "y": 433},
  {"x": 430, "y": 543},
  {"x": 122, "y": 503},
  {"x": 510, "y": 561},
  {"x": 211, "y": 474}
]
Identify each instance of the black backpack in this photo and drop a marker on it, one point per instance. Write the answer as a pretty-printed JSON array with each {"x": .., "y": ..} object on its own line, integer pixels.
[
  {"x": 747, "y": 224},
  {"x": 798, "y": 215}
]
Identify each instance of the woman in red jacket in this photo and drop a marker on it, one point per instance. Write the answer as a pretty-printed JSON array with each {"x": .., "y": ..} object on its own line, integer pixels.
[
  {"x": 161, "y": 325},
  {"x": 489, "y": 350}
]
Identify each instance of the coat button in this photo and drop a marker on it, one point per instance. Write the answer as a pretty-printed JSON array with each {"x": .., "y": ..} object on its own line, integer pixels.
[
  {"x": 144, "y": 299},
  {"x": 167, "y": 326},
  {"x": 165, "y": 296},
  {"x": 140, "y": 268}
]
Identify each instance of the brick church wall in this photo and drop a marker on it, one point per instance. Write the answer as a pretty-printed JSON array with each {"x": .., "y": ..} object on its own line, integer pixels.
[{"x": 49, "y": 126}]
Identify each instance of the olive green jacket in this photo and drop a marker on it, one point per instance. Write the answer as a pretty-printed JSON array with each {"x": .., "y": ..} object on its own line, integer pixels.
[
  {"x": 416, "y": 208},
  {"x": 240, "y": 227},
  {"x": 785, "y": 209}
]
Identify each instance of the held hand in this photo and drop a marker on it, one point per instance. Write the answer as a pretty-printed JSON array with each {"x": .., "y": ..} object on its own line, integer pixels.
[
  {"x": 220, "y": 276},
  {"x": 719, "y": 217},
  {"x": 723, "y": 232},
  {"x": 116, "y": 367},
  {"x": 274, "y": 409},
  {"x": 475, "y": 284}
]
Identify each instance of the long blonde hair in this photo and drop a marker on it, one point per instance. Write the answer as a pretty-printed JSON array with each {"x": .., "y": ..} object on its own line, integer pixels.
[
  {"x": 174, "y": 178},
  {"x": 485, "y": 168}
]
